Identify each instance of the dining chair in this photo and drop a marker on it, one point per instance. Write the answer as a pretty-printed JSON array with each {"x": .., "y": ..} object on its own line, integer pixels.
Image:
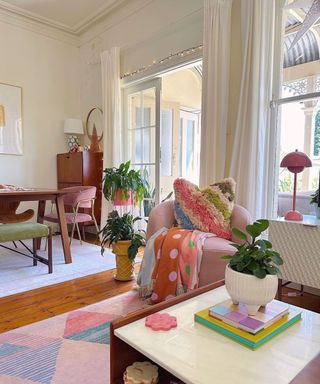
[
  {"x": 77, "y": 198},
  {"x": 8, "y": 214}
]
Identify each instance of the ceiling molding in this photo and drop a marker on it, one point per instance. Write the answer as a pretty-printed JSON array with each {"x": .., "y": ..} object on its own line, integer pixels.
[
  {"x": 120, "y": 14},
  {"x": 29, "y": 24},
  {"x": 29, "y": 20}
]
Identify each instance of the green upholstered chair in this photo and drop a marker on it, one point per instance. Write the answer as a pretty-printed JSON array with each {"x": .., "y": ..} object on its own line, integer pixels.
[{"x": 24, "y": 231}]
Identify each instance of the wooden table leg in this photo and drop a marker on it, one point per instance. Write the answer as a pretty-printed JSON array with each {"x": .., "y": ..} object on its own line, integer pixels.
[
  {"x": 63, "y": 229},
  {"x": 40, "y": 215}
]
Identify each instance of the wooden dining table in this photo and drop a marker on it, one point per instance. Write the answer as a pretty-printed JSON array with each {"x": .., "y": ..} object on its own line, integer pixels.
[{"x": 43, "y": 195}]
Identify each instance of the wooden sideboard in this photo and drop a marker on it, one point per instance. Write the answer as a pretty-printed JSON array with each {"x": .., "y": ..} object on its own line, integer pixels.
[{"x": 81, "y": 168}]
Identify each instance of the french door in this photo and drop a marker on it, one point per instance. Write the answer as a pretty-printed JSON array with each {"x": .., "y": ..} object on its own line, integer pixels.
[{"x": 141, "y": 116}]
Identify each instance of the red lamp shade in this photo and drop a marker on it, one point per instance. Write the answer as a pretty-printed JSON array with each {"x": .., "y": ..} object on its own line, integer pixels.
[{"x": 295, "y": 162}]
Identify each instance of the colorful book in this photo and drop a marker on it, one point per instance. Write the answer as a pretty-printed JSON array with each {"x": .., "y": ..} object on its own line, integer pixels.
[
  {"x": 246, "y": 338},
  {"x": 237, "y": 315}
]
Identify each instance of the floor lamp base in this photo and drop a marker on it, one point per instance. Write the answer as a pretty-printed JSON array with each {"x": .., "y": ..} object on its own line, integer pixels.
[{"x": 294, "y": 216}]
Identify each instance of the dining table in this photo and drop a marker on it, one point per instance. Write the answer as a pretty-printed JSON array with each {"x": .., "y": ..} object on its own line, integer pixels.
[{"x": 42, "y": 196}]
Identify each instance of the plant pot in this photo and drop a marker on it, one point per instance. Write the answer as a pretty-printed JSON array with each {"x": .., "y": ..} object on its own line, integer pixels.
[
  {"x": 118, "y": 201},
  {"x": 125, "y": 266},
  {"x": 249, "y": 290}
]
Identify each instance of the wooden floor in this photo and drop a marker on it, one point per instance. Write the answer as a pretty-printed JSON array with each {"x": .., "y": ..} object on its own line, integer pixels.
[
  {"x": 28, "y": 307},
  {"x": 42, "y": 303}
]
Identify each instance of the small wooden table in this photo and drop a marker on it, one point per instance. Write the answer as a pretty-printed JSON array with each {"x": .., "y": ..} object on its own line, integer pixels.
[
  {"x": 42, "y": 195},
  {"x": 198, "y": 355}
]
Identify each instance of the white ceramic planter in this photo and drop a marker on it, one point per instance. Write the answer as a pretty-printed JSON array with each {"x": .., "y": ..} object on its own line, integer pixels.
[{"x": 249, "y": 290}]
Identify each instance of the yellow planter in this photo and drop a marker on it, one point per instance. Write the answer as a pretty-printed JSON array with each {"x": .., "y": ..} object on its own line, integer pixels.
[{"x": 125, "y": 266}]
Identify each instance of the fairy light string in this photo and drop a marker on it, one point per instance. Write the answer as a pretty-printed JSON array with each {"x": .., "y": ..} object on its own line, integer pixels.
[{"x": 185, "y": 52}]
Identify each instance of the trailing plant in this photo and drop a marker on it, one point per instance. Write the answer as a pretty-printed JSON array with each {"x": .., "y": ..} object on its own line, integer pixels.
[
  {"x": 125, "y": 180},
  {"x": 120, "y": 228},
  {"x": 255, "y": 256},
  {"x": 315, "y": 197}
]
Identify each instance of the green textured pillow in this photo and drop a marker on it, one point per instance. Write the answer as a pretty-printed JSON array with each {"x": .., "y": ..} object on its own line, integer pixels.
[{"x": 208, "y": 210}]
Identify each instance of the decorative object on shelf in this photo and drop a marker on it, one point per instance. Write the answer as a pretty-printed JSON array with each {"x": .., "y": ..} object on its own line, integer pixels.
[
  {"x": 94, "y": 128},
  {"x": 161, "y": 322},
  {"x": 73, "y": 127},
  {"x": 123, "y": 186},
  {"x": 141, "y": 373},
  {"x": 120, "y": 234},
  {"x": 10, "y": 119},
  {"x": 251, "y": 275},
  {"x": 295, "y": 162}
]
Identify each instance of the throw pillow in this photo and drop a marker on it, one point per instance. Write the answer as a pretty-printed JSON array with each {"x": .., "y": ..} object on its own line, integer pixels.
[{"x": 208, "y": 210}]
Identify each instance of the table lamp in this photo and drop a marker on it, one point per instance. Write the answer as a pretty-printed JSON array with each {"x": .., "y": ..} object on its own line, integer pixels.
[
  {"x": 295, "y": 162},
  {"x": 73, "y": 127}
]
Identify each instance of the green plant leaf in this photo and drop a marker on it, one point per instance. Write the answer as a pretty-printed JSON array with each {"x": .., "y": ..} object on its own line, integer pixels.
[
  {"x": 260, "y": 273},
  {"x": 263, "y": 224},
  {"x": 253, "y": 230},
  {"x": 239, "y": 234},
  {"x": 226, "y": 257},
  {"x": 276, "y": 258}
]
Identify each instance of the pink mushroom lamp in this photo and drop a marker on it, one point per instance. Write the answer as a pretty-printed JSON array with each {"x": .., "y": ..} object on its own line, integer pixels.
[{"x": 295, "y": 162}]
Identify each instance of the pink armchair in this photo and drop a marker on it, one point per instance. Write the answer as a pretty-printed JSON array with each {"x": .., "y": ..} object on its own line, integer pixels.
[{"x": 212, "y": 267}]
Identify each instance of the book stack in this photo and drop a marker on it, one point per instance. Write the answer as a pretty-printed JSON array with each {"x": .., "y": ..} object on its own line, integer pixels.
[{"x": 252, "y": 331}]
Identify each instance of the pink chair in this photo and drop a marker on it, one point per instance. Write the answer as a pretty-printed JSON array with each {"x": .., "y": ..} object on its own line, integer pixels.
[
  {"x": 212, "y": 267},
  {"x": 76, "y": 198}
]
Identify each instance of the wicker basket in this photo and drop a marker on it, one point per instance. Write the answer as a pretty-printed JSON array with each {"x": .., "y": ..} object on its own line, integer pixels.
[{"x": 125, "y": 266}]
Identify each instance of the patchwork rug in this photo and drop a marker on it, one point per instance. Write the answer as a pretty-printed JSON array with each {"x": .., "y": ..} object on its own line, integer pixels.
[
  {"x": 17, "y": 274},
  {"x": 72, "y": 348}
]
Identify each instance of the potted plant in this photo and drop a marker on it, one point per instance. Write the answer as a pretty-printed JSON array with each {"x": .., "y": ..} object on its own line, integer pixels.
[
  {"x": 123, "y": 186},
  {"x": 315, "y": 201},
  {"x": 251, "y": 275},
  {"x": 120, "y": 234}
]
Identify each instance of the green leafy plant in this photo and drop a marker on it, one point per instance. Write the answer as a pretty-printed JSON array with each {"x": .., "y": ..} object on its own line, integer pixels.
[
  {"x": 120, "y": 228},
  {"x": 150, "y": 194},
  {"x": 255, "y": 256},
  {"x": 125, "y": 180},
  {"x": 315, "y": 197}
]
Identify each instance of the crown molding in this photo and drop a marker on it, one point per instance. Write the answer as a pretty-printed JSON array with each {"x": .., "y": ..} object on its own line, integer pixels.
[
  {"x": 120, "y": 13},
  {"x": 30, "y": 24},
  {"x": 28, "y": 20}
]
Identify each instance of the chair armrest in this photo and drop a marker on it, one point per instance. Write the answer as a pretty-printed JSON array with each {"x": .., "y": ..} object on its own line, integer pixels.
[
  {"x": 160, "y": 216},
  {"x": 240, "y": 219}
]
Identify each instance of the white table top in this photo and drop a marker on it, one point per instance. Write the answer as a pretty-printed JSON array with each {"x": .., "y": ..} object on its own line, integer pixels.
[
  {"x": 307, "y": 220},
  {"x": 198, "y": 355}
]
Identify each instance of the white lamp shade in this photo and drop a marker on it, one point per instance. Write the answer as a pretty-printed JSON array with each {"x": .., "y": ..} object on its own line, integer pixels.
[{"x": 73, "y": 126}]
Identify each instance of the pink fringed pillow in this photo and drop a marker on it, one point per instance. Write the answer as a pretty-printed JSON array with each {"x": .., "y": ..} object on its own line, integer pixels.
[{"x": 208, "y": 210}]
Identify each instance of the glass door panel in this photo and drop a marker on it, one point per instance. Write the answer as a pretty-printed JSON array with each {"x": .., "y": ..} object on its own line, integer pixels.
[{"x": 142, "y": 121}]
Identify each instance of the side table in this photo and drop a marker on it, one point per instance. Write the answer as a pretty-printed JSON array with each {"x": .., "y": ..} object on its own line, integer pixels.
[{"x": 298, "y": 243}]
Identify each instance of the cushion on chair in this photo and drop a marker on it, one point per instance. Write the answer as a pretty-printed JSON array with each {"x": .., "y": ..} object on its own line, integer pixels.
[
  {"x": 22, "y": 231},
  {"x": 81, "y": 218},
  {"x": 208, "y": 210}
]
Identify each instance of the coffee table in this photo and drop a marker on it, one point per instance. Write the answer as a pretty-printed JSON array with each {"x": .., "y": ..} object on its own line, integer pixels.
[{"x": 198, "y": 355}]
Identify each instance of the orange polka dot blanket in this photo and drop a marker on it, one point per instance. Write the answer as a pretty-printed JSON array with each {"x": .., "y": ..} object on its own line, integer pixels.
[{"x": 178, "y": 254}]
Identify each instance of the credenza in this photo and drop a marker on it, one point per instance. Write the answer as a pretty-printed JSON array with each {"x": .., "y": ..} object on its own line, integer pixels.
[{"x": 81, "y": 168}]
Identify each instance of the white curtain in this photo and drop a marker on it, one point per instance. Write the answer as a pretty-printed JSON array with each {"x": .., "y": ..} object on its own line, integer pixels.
[
  {"x": 111, "y": 92},
  {"x": 253, "y": 155},
  {"x": 215, "y": 87}
]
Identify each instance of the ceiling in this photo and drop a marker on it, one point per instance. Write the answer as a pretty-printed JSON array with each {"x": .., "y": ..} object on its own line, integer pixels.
[{"x": 69, "y": 15}]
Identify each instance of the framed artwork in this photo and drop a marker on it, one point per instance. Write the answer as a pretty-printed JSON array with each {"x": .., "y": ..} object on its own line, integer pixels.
[{"x": 10, "y": 119}]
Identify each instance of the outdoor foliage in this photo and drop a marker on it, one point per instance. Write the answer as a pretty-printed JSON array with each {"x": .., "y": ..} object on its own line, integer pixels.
[
  {"x": 255, "y": 257},
  {"x": 125, "y": 180},
  {"x": 121, "y": 228}
]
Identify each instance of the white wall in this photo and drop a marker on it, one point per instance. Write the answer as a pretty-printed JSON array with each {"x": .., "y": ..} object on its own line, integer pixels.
[
  {"x": 48, "y": 72},
  {"x": 150, "y": 33}
]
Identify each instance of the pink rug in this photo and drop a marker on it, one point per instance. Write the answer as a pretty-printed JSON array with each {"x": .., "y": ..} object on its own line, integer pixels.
[{"x": 72, "y": 348}]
